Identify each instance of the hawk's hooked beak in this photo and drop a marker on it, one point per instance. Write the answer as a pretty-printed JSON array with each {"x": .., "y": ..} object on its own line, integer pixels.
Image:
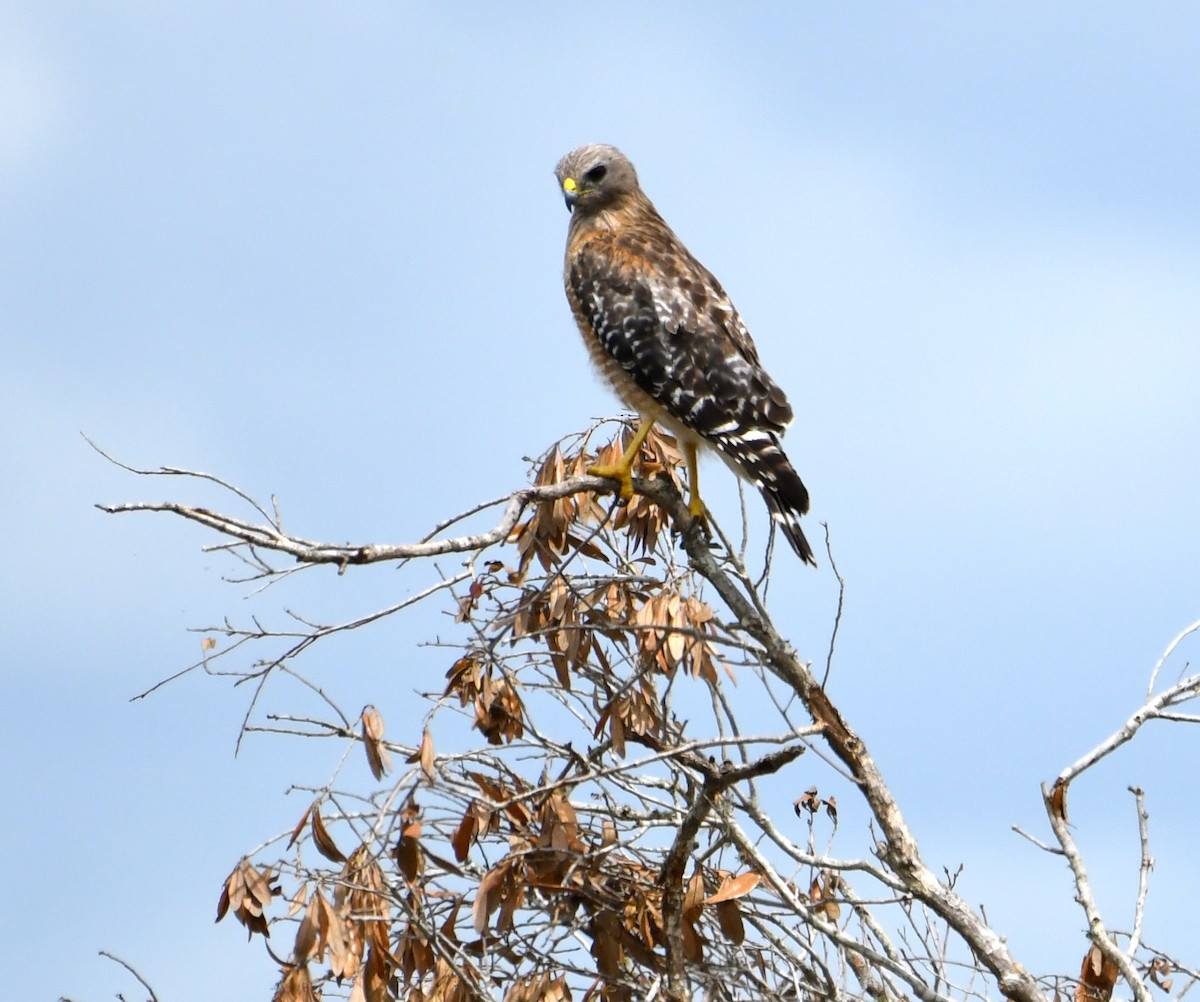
[{"x": 570, "y": 192}]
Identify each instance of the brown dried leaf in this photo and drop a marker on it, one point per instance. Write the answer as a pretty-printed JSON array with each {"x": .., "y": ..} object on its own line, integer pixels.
[
  {"x": 409, "y": 857},
  {"x": 693, "y": 896},
  {"x": 560, "y": 826},
  {"x": 306, "y": 935},
  {"x": 343, "y": 947},
  {"x": 295, "y": 986},
  {"x": 729, "y": 919},
  {"x": 499, "y": 711},
  {"x": 424, "y": 755},
  {"x": 488, "y": 896},
  {"x": 696, "y": 612},
  {"x": 414, "y": 955},
  {"x": 1058, "y": 800},
  {"x": 676, "y": 645},
  {"x": 464, "y": 835},
  {"x": 463, "y": 678},
  {"x": 449, "y": 985},
  {"x": 372, "y": 723},
  {"x": 1160, "y": 967},
  {"x": 247, "y": 892},
  {"x": 539, "y": 988},
  {"x": 810, "y": 801},
  {"x": 489, "y": 787},
  {"x": 617, "y": 729},
  {"x": 322, "y": 839},
  {"x": 451, "y": 923},
  {"x": 606, "y": 943},
  {"x": 734, "y": 887},
  {"x": 586, "y": 547},
  {"x": 466, "y": 606},
  {"x": 374, "y": 978},
  {"x": 562, "y": 670},
  {"x": 833, "y": 910},
  {"x": 821, "y": 892},
  {"x": 514, "y": 897},
  {"x": 1097, "y": 977},
  {"x": 378, "y": 758},
  {"x": 300, "y": 824},
  {"x": 298, "y": 900},
  {"x": 258, "y": 884}
]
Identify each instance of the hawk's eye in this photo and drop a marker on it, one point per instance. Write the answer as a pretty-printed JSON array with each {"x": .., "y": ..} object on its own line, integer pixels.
[{"x": 596, "y": 174}]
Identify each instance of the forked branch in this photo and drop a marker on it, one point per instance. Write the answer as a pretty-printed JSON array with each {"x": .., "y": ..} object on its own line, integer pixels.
[
  {"x": 1162, "y": 706},
  {"x": 897, "y": 848}
]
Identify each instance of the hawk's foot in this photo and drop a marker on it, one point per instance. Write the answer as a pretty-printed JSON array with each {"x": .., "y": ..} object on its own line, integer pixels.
[{"x": 621, "y": 473}]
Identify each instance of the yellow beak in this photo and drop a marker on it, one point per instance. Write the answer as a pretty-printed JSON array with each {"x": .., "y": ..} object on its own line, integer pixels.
[{"x": 570, "y": 191}]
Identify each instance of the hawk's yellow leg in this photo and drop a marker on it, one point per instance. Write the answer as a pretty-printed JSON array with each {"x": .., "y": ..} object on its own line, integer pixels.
[
  {"x": 695, "y": 505},
  {"x": 622, "y": 470}
]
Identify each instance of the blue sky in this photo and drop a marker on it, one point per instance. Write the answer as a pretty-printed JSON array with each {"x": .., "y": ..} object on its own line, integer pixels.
[{"x": 316, "y": 249}]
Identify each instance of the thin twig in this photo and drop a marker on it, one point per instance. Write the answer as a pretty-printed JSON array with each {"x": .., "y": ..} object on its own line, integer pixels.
[
  {"x": 1145, "y": 865},
  {"x": 1053, "y": 849},
  {"x": 129, "y": 967},
  {"x": 1167, "y": 653},
  {"x": 837, "y": 618},
  {"x": 171, "y": 471}
]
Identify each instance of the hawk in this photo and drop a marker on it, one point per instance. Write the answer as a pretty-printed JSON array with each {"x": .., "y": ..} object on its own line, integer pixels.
[{"x": 667, "y": 338}]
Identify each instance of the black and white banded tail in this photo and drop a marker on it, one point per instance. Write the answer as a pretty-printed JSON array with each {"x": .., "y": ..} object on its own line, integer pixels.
[{"x": 759, "y": 456}]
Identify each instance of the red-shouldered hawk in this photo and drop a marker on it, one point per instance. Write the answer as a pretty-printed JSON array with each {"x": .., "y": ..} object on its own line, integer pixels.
[{"x": 664, "y": 334}]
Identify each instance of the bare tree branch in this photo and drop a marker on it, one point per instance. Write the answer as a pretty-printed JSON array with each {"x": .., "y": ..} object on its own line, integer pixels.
[
  {"x": 898, "y": 848},
  {"x": 575, "y": 872},
  {"x": 1054, "y": 798},
  {"x": 1145, "y": 865},
  {"x": 1097, "y": 931},
  {"x": 1153, "y": 709},
  {"x": 307, "y": 551},
  {"x": 1183, "y": 634},
  {"x": 132, "y": 970}
]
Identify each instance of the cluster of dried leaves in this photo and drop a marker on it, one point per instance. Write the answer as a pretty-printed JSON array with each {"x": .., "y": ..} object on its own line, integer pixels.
[
  {"x": 592, "y": 703},
  {"x": 530, "y": 865}
]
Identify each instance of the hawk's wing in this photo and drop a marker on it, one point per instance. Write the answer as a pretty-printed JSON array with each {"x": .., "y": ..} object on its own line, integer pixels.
[{"x": 670, "y": 326}]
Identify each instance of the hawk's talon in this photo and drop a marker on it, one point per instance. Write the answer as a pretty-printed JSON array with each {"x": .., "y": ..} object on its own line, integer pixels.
[
  {"x": 623, "y": 475},
  {"x": 699, "y": 517},
  {"x": 695, "y": 503}
]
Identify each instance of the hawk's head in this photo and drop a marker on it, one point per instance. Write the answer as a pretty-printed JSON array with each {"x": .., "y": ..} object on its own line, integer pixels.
[{"x": 595, "y": 176}]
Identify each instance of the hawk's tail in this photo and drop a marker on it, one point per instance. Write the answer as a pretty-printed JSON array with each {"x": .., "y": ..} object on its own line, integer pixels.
[
  {"x": 765, "y": 464},
  {"x": 787, "y": 517}
]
